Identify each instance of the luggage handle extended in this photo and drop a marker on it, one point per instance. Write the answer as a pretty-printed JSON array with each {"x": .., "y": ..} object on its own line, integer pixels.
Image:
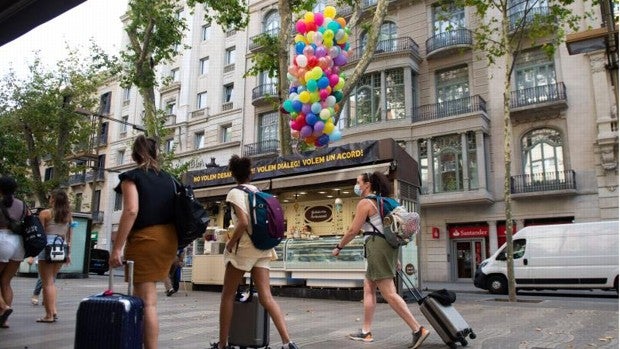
[
  {"x": 130, "y": 266},
  {"x": 415, "y": 293}
]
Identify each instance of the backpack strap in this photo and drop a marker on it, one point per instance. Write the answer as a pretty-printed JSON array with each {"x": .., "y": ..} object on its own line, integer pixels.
[{"x": 375, "y": 231}]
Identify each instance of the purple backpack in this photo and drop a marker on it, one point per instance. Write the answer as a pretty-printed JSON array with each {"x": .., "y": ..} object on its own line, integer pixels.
[{"x": 266, "y": 217}]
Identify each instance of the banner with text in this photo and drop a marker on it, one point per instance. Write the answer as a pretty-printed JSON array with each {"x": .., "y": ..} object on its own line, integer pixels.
[{"x": 354, "y": 154}]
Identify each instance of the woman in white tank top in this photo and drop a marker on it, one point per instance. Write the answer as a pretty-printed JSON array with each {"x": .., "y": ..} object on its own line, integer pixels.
[{"x": 57, "y": 223}]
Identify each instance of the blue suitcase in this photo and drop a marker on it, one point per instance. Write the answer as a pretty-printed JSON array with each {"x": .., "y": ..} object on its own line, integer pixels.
[{"x": 110, "y": 320}]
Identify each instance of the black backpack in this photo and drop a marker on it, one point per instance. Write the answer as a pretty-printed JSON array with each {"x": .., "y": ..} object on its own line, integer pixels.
[{"x": 190, "y": 217}]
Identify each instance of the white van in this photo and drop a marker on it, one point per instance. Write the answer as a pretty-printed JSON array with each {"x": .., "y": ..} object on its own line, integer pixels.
[{"x": 562, "y": 256}]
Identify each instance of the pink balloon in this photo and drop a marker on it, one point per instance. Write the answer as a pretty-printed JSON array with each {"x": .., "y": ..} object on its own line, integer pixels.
[
  {"x": 333, "y": 80},
  {"x": 323, "y": 94},
  {"x": 308, "y": 51},
  {"x": 318, "y": 18},
  {"x": 301, "y": 26}
]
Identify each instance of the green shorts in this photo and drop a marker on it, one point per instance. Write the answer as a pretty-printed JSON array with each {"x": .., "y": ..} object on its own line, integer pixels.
[{"x": 381, "y": 259}]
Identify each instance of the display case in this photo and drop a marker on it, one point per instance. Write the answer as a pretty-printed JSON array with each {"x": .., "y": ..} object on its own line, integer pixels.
[{"x": 312, "y": 260}]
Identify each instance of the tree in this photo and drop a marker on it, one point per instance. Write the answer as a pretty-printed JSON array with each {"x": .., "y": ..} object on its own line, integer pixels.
[
  {"x": 504, "y": 29},
  {"x": 40, "y": 127},
  {"x": 156, "y": 30}
]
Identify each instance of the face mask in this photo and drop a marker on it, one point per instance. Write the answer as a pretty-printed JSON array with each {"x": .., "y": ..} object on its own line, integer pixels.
[{"x": 357, "y": 190}]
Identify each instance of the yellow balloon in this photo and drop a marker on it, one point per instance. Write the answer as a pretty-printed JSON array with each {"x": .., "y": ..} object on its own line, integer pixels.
[
  {"x": 308, "y": 76},
  {"x": 344, "y": 39},
  {"x": 309, "y": 37},
  {"x": 304, "y": 97},
  {"x": 329, "y": 127},
  {"x": 339, "y": 85},
  {"x": 317, "y": 72},
  {"x": 300, "y": 38},
  {"x": 330, "y": 11},
  {"x": 315, "y": 97},
  {"x": 309, "y": 17}
]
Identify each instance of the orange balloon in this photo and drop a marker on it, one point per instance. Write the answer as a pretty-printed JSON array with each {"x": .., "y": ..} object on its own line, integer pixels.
[{"x": 342, "y": 21}]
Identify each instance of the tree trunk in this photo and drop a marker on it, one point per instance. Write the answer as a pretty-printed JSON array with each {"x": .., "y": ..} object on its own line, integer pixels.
[
  {"x": 35, "y": 165},
  {"x": 512, "y": 294},
  {"x": 150, "y": 112},
  {"x": 284, "y": 36}
]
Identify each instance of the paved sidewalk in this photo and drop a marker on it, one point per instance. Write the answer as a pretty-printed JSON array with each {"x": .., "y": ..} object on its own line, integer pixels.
[{"x": 191, "y": 321}]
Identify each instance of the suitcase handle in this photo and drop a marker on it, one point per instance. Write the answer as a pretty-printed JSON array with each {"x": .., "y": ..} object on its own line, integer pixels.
[
  {"x": 130, "y": 266},
  {"x": 410, "y": 287}
]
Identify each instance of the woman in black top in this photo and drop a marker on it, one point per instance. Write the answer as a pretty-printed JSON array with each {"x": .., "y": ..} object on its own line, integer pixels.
[{"x": 146, "y": 226}]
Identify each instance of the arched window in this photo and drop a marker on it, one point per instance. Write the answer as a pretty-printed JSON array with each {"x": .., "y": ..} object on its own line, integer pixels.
[
  {"x": 543, "y": 154},
  {"x": 387, "y": 38},
  {"x": 272, "y": 23}
]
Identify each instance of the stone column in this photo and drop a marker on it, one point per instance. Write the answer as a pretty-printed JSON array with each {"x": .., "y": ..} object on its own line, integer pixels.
[
  {"x": 465, "y": 167},
  {"x": 492, "y": 236},
  {"x": 481, "y": 160},
  {"x": 431, "y": 171}
]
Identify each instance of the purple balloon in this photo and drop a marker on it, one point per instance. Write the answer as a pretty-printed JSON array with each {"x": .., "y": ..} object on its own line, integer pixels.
[
  {"x": 340, "y": 60},
  {"x": 320, "y": 52},
  {"x": 306, "y": 131},
  {"x": 306, "y": 108},
  {"x": 318, "y": 127}
]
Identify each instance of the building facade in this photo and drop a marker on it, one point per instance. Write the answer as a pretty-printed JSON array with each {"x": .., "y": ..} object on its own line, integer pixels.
[{"x": 428, "y": 89}]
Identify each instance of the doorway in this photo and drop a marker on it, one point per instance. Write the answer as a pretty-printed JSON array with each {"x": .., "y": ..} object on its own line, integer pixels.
[{"x": 469, "y": 253}]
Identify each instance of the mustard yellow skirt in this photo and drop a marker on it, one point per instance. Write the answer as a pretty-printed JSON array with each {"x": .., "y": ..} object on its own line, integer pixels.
[{"x": 153, "y": 249}]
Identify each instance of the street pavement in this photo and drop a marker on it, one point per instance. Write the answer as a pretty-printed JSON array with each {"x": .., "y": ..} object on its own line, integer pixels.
[{"x": 189, "y": 319}]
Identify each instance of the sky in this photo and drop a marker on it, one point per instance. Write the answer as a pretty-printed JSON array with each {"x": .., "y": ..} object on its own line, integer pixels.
[{"x": 98, "y": 19}]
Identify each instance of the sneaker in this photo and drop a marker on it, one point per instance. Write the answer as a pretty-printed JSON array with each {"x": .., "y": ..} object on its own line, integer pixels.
[
  {"x": 216, "y": 345},
  {"x": 290, "y": 345},
  {"x": 34, "y": 300},
  {"x": 419, "y": 337},
  {"x": 361, "y": 336},
  {"x": 170, "y": 292}
]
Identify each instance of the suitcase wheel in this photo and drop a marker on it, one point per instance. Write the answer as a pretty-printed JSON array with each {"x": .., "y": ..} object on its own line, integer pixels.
[
  {"x": 472, "y": 335},
  {"x": 464, "y": 342},
  {"x": 452, "y": 345}
]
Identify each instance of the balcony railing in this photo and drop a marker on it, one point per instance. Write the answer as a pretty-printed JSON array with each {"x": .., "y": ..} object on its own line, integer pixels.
[
  {"x": 539, "y": 94},
  {"x": 262, "y": 91},
  {"x": 76, "y": 179},
  {"x": 520, "y": 19},
  {"x": 97, "y": 217},
  {"x": 347, "y": 11},
  {"x": 450, "y": 108},
  {"x": 548, "y": 181},
  {"x": 229, "y": 68},
  {"x": 170, "y": 120},
  {"x": 404, "y": 44},
  {"x": 265, "y": 147},
  {"x": 200, "y": 112},
  {"x": 227, "y": 106},
  {"x": 458, "y": 37},
  {"x": 95, "y": 175},
  {"x": 271, "y": 32}
]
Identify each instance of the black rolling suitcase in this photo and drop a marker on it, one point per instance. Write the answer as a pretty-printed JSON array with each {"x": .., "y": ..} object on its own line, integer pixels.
[
  {"x": 250, "y": 321},
  {"x": 110, "y": 320},
  {"x": 445, "y": 319}
]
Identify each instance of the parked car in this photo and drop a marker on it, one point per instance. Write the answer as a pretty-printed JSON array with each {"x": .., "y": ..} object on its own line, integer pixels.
[{"x": 99, "y": 261}]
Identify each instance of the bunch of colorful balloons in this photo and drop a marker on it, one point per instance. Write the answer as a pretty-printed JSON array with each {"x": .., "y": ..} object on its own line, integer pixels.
[{"x": 321, "y": 49}]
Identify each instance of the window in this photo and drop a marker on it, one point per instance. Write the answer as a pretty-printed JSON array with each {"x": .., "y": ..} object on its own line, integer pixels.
[
  {"x": 319, "y": 6},
  {"x": 78, "y": 202},
  {"x": 226, "y": 133},
  {"x": 105, "y": 102},
  {"x": 206, "y": 32},
  {"x": 268, "y": 131},
  {"x": 230, "y": 55},
  {"x": 49, "y": 173},
  {"x": 201, "y": 101},
  {"x": 272, "y": 23},
  {"x": 199, "y": 140},
  {"x": 535, "y": 77},
  {"x": 452, "y": 84},
  {"x": 395, "y": 94},
  {"x": 118, "y": 201},
  {"x": 171, "y": 108},
  {"x": 125, "y": 120},
  {"x": 543, "y": 154},
  {"x": 126, "y": 93},
  {"x": 228, "y": 92},
  {"x": 175, "y": 75},
  {"x": 448, "y": 167},
  {"x": 120, "y": 157},
  {"x": 387, "y": 38},
  {"x": 204, "y": 66},
  {"x": 169, "y": 145},
  {"x": 364, "y": 103},
  {"x": 448, "y": 17}
]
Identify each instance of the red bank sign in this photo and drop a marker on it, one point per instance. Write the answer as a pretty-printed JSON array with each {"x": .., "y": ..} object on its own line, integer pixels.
[{"x": 468, "y": 232}]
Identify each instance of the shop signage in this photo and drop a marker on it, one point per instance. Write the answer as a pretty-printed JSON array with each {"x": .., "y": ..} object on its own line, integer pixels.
[
  {"x": 348, "y": 155},
  {"x": 318, "y": 214},
  {"x": 468, "y": 232}
]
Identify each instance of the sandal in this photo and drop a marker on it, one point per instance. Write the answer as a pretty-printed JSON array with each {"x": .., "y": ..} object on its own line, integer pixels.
[
  {"x": 47, "y": 321},
  {"x": 5, "y": 315}
]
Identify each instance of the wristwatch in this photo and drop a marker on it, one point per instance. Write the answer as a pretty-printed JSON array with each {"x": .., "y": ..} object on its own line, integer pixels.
[{"x": 338, "y": 247}]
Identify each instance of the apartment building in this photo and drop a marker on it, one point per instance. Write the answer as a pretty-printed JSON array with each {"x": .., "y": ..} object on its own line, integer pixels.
[{"x": 432, "y": 93}]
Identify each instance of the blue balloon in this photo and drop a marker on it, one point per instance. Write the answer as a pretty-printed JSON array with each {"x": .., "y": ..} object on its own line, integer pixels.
[
  {"x": 299, "y": 48},
  {"x": 311, "y": 119},
  {"x": 293, "y": 89},
  {"x": 297, "y": 105}
]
